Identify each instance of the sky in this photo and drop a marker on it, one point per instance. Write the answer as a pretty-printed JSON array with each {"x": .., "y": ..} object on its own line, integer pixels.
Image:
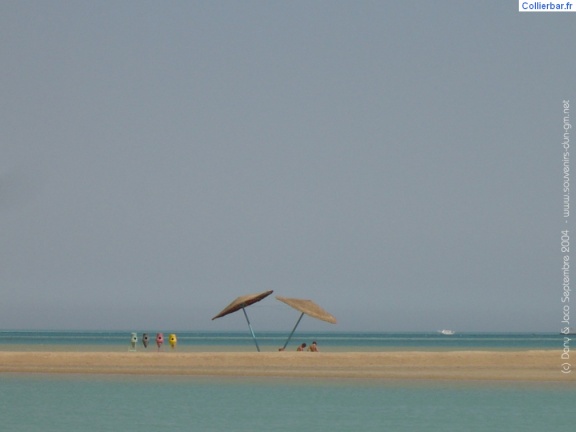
[{"x": 399, "y": 163}]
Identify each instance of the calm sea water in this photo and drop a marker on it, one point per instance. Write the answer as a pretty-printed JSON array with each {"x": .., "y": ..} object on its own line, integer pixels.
[
  {"x": 332, "y": 341},
  {"x": 67, "y": 403}
]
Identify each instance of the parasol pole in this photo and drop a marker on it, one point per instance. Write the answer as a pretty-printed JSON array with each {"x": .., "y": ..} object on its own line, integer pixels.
[
  {"x": 293, "y": 330},
  {"x": 251, "y": 331}
]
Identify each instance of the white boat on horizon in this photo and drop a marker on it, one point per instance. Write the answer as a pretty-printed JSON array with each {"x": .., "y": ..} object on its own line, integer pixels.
[{"x": 447, "y": 332}]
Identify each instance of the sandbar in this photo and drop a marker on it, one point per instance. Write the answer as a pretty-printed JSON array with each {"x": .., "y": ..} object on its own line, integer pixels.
[{"x": 537, "y": 365}]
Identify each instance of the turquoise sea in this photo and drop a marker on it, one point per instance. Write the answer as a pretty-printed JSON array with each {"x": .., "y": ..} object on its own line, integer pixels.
[
  {"x": 66, "y": 403},
  {"x": 50, "y": 403},
  {"x": 270, "y": 341}
]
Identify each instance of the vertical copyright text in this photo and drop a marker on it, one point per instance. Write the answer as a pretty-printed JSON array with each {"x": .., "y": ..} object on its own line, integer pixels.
[{"x": 566, "y": 366}]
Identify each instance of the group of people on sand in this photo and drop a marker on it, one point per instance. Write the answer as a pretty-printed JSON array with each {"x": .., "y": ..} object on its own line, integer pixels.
[
  {"x": 173, "y": 340},
  {"x": 302, "y": 347},
  {"x": 311, "y": 348}
]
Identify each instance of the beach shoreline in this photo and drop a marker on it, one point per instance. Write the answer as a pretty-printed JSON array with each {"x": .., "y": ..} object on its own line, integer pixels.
[{"x": 529, "y": 365}]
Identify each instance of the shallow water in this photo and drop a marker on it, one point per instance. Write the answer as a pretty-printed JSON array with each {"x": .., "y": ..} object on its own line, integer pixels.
[{"x": 65, "y": 403}]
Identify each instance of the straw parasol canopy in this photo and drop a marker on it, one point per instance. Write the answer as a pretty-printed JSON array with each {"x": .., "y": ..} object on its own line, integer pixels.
[
  {"x": 309, "y": 308},
  {"x": 242, "y": 302}
]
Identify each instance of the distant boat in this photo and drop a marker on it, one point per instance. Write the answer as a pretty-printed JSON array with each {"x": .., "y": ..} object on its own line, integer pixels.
[{"x": 447, "y": 332}]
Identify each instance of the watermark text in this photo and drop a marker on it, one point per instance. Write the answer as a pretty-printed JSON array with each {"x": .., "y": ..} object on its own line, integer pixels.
[
  {"x": 546, "y": 6},
  {"x": 566, "y": 366}
]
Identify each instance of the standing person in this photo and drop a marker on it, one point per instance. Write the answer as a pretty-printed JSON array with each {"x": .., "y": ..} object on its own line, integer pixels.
[
  {"x": 145, "y": 340},
  {"x": 133, "y": 341},
  {"x": 301, "y": 347},
  {"x": 313, "y": 347},
  {"x": 173, "y": 340},
  {"x": 159, "y": 340}
]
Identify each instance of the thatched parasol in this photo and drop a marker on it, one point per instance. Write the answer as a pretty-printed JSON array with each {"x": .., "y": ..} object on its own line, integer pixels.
[
  {"x": 307, "y": 307},
  {"x": 240, "y": 303}
]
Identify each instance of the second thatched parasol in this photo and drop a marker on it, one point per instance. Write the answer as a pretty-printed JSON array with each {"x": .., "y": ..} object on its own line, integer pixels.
[{"x": 307, "y": 307}]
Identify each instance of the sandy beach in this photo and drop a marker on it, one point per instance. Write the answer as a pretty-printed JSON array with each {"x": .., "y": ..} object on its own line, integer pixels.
[{"x": 542, "y": 365}]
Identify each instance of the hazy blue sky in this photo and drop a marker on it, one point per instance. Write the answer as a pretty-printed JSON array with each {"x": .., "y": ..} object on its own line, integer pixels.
[{"x": 400, "y": 163}]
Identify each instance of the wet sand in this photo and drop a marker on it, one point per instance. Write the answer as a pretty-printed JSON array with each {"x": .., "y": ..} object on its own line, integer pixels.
[{"x": 412, "y": 365}]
